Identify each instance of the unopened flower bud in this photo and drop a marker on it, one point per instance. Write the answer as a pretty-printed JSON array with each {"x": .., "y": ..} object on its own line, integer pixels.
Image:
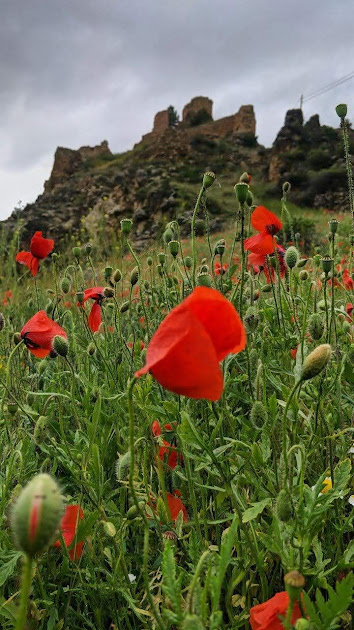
[
  {"x": 283, "y": 506},
  {"x": 316, "y": 361},
  {"x": 108, "y": 273},
  {"x": 220, "y": 247},
  {"x": 316, "y": 326},
  {"x": 65, "y": 285},
  {"x": 17, "y": 338},
  {"x": 77, "y": 252},
  {"x": 204, "y": 280},
  {"x": 174, "y": 248},
  {"x": 36, "y": 514},
  {"x": 60, "y": 345},
  {"x": 117, "y": 276},
  {"x": 241, "y": 190},
  {"x": 12, "y": 408},
  {"x": 126, "y": 226},
  {"x": 80, "y": 296},
  {"x": 108, "y": 292},
  {"x": 291, "y": 257},
  {"x": 168, "y": 235},
  {"x": 208, "y": 179},
  {"x": 149, "y": 261},
  {"x": 161, "y": 257},
  {"x": 341, "y": 110},
  {"x": 303, "y": 275},
  {"x": 88, "y": 248},
  {"x": 302, "y": 624},
  {"x": 124, "y": 307},
  {"x": 40, "y": 429},
  {"x": 134, "y": 276},
  {"x": 267, "y": 288},
  {"x": 188, "y": 262}
]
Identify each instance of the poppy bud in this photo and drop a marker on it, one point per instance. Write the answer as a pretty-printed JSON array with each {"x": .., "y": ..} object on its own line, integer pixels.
[
  {"x": 80, "y": 296},
  {"x": 208, "y": 179},
  {"x": 109, "y": 529},
  {"x": 117, "y": 275},
  {"x": 286, "y": 188},
  {"x": 303, "y": 275},
  {"x": 259, "y": 414},
  {"x": 220, "y": 247},
  {"x": 161, "y": 257},
  {"x": 126, "y": 226},
  {"x": 168, "y": 235},
  {"x": 241, "y": 190},
  {"x": 134, "y": 276},
  {"x": 341, "y": 110},
  {"x": 326, "y": 263},
  {"x": 108, "y": 292},
  {"x": 245, "y": 178},
  {"x": 252, "y": 319},
  {"x": 65, "y": 285},
  {"x": 60, "y": 345},
  {"x": 283, "y": 507},
  {"x": 302, "y": 624},
  {"x": 291, "y": 257},
  {"x": 316, "y": 361},
  {"x": 77, "y": 252},
  {"x": 12, "y": 408},
  {"x": 316, "y": 326},
  {"x": 91, "y": 349},
  {"x": 108, "y": 273},
  {"x": 149, "y": 261},
  {"x": 36, "y": 514},
  {"x": 2, "y": 322},
  {"x": 88, "y": 248},
  {"x": 40, "y": 429},
  {"x": 333, "y": 225},
  {"x": 267, "y": 288},
  {"x": 294, "y": 583},
  {"x": 17, "y": 338},
  {"x": 174, "y": 247},
  {"x": 188, "y": 262},
  {"x": 124, "y": 307},
  {"x": 204, "y": 280}
]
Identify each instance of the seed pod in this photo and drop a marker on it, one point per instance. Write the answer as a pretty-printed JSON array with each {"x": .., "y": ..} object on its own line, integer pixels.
[
  {"x": 36, "y": 514},
  {"x": 283, "y": 507},
  {"x": 134, "y": 276},
  {"x": 316, "y": 361},
  {"x": 204, "y": 279},
  {"x": 108, "y": 273},
  {"x": 124, "y": 307},
  {"x": 126, "y": 226},
  {"x": 291, "y": 257},
  {"x": 303, "y": 275},
  {"x": 326, "y": 263},
  {"x": 220, "y": 247},
  {"x": 208, "y": 179},
  {"x": 161, "y": 257},
  {"x": 341, "y": 110},
  {"x": 294, "y": 583},
  {"x": 12, "y": 408},
  {"x": 333, "y": 225},
  {"x": 241, "y": 190},
  {"x": 65, "y": 285},
  {"x": 316, "y": 326},
  {"x": 60, "y": 345}
]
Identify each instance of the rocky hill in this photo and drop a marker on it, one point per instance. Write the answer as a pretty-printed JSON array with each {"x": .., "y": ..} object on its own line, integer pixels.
[{"x": 91, "y": 188}]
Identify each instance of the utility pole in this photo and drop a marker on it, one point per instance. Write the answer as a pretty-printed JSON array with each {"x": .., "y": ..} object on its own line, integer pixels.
[{"x": 301, "y": 101}]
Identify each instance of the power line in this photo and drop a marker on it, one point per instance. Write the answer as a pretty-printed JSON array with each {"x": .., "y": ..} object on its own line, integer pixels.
[{"x": 328, "y": 87}]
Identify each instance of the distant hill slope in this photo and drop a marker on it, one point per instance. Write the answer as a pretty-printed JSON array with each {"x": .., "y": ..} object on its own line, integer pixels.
[{"x": 152, "y": 183}]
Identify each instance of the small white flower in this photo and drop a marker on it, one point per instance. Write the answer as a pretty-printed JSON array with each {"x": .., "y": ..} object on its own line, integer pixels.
[
  {"x": 351, "y": 499},
  {"x": 351, "y": 450},
  {"x": 131, "y": 577}
]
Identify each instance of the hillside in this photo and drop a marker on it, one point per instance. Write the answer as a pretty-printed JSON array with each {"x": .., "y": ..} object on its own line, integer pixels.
[{"x": 91, "y": 188}]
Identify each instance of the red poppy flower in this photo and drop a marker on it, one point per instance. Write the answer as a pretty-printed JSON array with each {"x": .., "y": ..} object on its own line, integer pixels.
[
  {"x": 220, "y": 269},
  {"x": 293, "y": 352},
  {"x": 68, "y": 527},
  {"x": 259, "y": 263},
  {"x": 95, "y": 316},
  {"x": 266, "y": 616},
  {"x": 167, "y": 451},
  {"x": 348, "y": 280},
  {"x": 185, "y": 351},
  {"x": 175, "y": 505},
  {"x": 39, "y": 332},
  {"x": 267, "y": 224},
  {"x": 349, "y": 309},
  {"x": 39, "y": 248}
]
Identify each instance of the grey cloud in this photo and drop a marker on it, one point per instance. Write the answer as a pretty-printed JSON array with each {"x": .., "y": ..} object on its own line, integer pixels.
[{"x": 73, "y": 72}]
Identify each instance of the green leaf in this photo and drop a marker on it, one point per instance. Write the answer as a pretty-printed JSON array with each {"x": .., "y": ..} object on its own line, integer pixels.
[
  {"x": 8, "y": 568},
  {"x": 255, "y": 510}
]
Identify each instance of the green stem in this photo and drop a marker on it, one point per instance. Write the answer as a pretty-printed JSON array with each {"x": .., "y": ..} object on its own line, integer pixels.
[
  {"x": 24, "y": 593},
  {"x": 194, "y": 251},
  {"x": 284, "y": 427}
]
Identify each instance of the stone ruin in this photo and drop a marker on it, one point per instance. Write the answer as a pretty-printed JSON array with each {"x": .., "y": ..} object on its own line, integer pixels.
[
  {"x": 67, "y": 161},
  {"x": 197, "y": 118}
]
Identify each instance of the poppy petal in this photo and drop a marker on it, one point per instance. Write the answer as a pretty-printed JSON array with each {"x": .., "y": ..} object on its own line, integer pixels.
[
  {"x": 175, "y": 506},
  {"x": 39, "y": 332},
  {"x": 262, "y": 243},
  {"x": 182, "y": 358},
  {"x": 41, "y": 247},
  {"x": 220, "y": 320},
  {"x": 95, "y": 293},
  {"x": 261, "y": 217},
  {"x": 26, "y": 258},
  {"x": 95, "y": 317}
]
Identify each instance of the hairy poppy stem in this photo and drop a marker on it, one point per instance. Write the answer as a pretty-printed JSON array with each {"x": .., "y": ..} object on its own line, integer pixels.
[
  {"x": 194, "y": 251},
  {"x": 284, "y": 428},
  {"x": 7, "y": 381},
  {"x": 24, "y": 593}
]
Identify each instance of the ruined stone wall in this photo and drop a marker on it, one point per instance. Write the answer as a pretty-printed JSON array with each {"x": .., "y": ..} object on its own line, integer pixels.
[
  {"x": 161, "y": 122},
  {"x": 197, "y": 104},
  {"x": 93, "y": 152}
]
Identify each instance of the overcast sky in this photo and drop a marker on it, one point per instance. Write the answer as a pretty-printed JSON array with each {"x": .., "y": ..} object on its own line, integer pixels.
[{"x": 75, "y": 72}]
